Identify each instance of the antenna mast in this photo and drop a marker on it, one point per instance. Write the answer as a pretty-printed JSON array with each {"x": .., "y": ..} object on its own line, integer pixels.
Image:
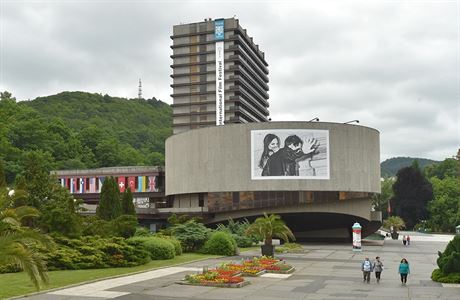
[{"x": 139, "y": 94}]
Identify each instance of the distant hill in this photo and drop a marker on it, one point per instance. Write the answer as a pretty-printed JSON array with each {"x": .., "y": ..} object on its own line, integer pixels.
[
  {"x": 391, "y": 166},
  {"x": 77, "y": 130}
]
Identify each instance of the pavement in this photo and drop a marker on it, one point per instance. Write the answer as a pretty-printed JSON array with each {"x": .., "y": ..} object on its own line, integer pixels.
[{"x": 323, "y": 271}]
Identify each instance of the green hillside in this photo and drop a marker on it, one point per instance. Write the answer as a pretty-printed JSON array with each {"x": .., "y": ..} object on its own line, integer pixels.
[
  {"x": 391, "y": 166},
  {"x": 83, "y": 130}
]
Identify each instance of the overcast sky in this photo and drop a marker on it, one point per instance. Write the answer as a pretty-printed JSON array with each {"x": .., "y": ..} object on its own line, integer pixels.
[{"x": 393, "y": 65}]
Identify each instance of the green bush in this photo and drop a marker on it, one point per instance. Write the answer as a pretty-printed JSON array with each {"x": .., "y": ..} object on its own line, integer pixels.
[
  {"x": 438, "y": 276},
  {"x": 449, "y": 260},
  {"x": 94, "y": 252},
  {"x": 142, "y": 231},
  {"x": 192, "y": 235},
  {"x": 157, "y": 248},
  {"x": 243, "y": 241},
  {"x": 124, "y": 226},
  {"x": 220, "y": 243},
  {"x": 175, "y": 242}
]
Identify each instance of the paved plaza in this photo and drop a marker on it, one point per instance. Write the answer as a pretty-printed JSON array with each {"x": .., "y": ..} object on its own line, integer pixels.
[{"x": 322, "y": 272}]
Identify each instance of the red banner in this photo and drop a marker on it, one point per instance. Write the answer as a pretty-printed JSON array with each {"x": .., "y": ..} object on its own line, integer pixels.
[
  {"x": 132, "y": 183},
  {"x": 121, "y": 184}
]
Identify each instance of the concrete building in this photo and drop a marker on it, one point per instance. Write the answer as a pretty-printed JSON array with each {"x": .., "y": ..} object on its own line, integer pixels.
[
  {"x": 219, "y": 169},
  {"x": 219, "y": 76}
]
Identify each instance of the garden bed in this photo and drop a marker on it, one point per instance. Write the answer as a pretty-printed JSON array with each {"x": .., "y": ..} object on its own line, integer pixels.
[
  {"x": 215, "y": 284},
  {"x": 281, "y": 271}
]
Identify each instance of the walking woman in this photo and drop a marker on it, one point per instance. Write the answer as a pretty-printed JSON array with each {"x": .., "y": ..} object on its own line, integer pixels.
[
  {"x": 378, "y": 268},
  {"x": 404, "y": 270}
]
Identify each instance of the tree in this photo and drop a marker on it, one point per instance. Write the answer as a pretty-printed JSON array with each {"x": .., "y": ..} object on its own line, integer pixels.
[
  {"x": 17, "y": 242},
  {"x": 447, "y": 168},
  {"x": 109, "y": 207},
  {"x": 412, "y": 192},
  {"x": 127, "y": 205},
  {"x": 395, "y": 223},
  {"x": 445, "y": 208},
  {"x": 2, "y": 174},
  {"x": 380, "y": 201},
  {"x": 268, "y": 227}
]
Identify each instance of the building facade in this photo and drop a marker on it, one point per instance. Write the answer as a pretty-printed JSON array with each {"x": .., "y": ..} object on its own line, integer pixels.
[
  {"x": 219, "y": 76},
  {"x": 320, "y": 193}
]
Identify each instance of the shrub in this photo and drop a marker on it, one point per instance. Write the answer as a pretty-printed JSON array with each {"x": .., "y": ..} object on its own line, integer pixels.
[
  {"x": 142, "y": 231},
  {"x": 157, "y": 248},
  {"x": 124, "y": 226},
  {"x": 94, "y": 252},
  {"x": 438, "y": 276},
  {"x": 242, "y": 241},
  {"x": 192, "y": 235},
  {"x": 174, "y": 241},
  {"x": 220, "y": 243},
  {"x": 449, "y": 260}
]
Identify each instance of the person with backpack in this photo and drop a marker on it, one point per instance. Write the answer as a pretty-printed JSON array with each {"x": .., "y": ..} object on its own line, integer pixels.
[
  {"x": 378, "y": 268},
  {"x": 367, "y": 268},
  {"x": 404, "y": 270}
]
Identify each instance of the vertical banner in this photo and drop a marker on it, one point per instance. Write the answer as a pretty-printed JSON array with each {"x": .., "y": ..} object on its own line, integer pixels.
[
  {"x": 356, "y": 237},
  {"x": 121, "y": 184},
  {"x": 144, "y": 183},
  {"x": 139, "y": 183},
  {"x": 152, "y": 184},
  {"x": 92, "y": 185},
  {"x": 219, "y": 36},
  {"x": 71, "y": 186},
  {"x": 132, "y": 183},
  {"x": 101, "y": 182},
  {"x": 82, "y": 185}
]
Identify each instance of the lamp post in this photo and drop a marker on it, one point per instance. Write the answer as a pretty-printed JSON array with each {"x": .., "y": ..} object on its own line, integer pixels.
[{"x": 352, "y": 121}]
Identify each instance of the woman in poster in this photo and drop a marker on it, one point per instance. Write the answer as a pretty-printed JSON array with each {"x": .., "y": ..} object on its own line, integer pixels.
[{"x": 271, "y": 146}]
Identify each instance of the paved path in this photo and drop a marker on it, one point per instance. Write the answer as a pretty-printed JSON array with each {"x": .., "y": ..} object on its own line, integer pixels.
[{"x": 322, "y": 272}]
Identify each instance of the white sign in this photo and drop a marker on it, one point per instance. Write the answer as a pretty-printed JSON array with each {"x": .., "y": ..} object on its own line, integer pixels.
[
  {"x": 220, "y": 85},
  {"x": 290, "y": 154}
]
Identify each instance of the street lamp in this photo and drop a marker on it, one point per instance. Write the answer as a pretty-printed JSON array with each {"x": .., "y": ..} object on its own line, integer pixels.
[{"x": 352, "y": 121}]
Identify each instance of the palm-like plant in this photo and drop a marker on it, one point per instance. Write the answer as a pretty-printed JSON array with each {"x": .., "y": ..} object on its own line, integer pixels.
[
  {"x": 268, "y": 227},
  {"x": 17, "y": 241},
  {"x": 394, "y": 221}
]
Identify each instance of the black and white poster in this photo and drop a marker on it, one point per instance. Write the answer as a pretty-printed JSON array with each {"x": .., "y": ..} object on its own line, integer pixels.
[{"x": 290, "y": 154}]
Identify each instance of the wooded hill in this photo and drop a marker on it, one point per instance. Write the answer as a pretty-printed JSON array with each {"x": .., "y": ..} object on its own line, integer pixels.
[
  {"x": 391, "y": 166},
  {"x": 83, "y": 130}
]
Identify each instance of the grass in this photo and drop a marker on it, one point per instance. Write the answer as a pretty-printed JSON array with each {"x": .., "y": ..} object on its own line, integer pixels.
[{"x": 16, "y": 284}]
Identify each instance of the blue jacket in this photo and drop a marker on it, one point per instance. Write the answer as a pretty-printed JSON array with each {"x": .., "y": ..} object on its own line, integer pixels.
[{"x": 404, "y": 268}]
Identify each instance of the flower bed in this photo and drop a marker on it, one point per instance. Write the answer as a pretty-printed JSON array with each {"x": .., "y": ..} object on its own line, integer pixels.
[
  {"x": 215, "y": 278},
  {"x": 280, "y": 268}
]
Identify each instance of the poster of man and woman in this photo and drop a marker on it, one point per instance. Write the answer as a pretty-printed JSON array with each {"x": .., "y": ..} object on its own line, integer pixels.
[{"x": 290, "y": 154}]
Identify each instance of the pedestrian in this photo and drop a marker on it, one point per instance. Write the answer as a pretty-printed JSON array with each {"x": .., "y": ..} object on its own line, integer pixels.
[
  {"x": 378, "y": 268},
  {"x": 408, "y": 240},
  {"x": 404, "y": 240},
  {"x": 367, "y": 268},
  {"x": 404, "y": 270}
]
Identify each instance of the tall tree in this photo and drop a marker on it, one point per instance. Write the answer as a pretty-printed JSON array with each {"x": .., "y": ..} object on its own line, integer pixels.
[
  {"x": 412, "y": 192},
  {"x": 447, "y": 168},
  {"x": 109, "y": 207},
  {"x": 127, "y": 205}
]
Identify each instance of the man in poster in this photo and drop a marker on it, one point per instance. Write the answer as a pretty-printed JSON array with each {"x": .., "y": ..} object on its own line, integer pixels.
[{"x": 285, "y": 161}]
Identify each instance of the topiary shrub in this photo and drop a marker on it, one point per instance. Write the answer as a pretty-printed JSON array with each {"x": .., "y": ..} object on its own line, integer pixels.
[
  {"x": 157, "y": 248},
  {"x": 175, "y": 242},
  {"x": 220, "y": 243},
  {"x": 449, "y": 260}
]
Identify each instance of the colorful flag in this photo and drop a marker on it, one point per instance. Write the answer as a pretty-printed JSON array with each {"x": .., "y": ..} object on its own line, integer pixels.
[
  {"x": 82, "y": 185},
  {"x": 92, "y": 185},
  {"x": 144, "y": 183},
  {"x": 121, "y": 184},
  {"x": 101, "y": 182},
  {"x": 132, "y": 183},
  {"x": 152, "y": 183},
  {"x": 72, "y": 190},
  {"x": 140, "y": 183}
]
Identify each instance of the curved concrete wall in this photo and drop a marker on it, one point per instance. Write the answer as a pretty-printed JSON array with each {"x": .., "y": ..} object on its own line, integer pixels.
[{"x": 218, "y": 159}]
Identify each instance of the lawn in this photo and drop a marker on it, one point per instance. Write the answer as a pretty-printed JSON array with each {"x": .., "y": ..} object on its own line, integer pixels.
[{"x": 16, "y": 284}]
